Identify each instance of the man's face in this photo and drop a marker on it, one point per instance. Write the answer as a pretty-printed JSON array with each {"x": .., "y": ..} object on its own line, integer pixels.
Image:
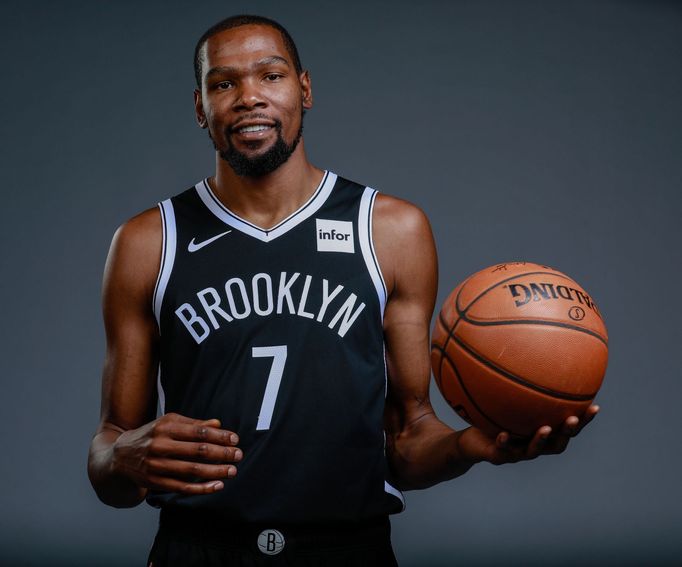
[{"x": 252, "y": 100}]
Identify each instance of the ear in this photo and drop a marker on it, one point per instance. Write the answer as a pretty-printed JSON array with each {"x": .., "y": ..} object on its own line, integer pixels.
[
  {"x": 307, "y": 90},
  {"x": 199, "y": 110}
]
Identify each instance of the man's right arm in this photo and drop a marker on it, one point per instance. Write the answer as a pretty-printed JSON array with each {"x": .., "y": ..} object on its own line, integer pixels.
[{"x": 131, "y": 451}]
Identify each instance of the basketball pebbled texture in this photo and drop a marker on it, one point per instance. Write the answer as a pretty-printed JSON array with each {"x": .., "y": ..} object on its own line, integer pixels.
[{"x": 517, "y": 346}]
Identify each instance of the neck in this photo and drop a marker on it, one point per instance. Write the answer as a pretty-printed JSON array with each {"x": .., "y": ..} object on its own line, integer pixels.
[{"x": 265, "y": 201}]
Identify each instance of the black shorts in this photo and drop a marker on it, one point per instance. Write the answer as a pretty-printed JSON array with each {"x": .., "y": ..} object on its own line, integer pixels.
[{"x": 198, "y": 540}]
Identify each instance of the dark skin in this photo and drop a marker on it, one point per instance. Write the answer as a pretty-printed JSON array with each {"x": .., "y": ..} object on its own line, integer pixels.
[{"x": 249, "y": 79}]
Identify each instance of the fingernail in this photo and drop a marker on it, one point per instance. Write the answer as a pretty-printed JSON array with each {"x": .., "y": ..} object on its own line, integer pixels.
[
  {"x": 218, "y": 486},
  {"x": 238, "y": 454},
  {"x": 234, "y": 439},
  {"x": 231, "y": 471}
]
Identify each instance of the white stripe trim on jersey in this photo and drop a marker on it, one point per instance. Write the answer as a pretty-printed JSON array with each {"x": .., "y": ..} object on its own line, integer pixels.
[
  {"x": 395, "y": 492},
  {"x": 309, "y": 208},
  {"x": 167, "y": 256},
  {"x": 161, "y": 394},
  {"x": 367, "y": 245},
  {"x": 369, "y": 255}
]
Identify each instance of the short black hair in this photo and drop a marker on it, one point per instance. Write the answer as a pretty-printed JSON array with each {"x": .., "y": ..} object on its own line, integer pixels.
[{"x": 244, "y": 20}]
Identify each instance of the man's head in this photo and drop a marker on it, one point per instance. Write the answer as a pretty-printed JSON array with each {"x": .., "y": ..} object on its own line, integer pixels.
[
  {"x": 251, "y": 93},
  {"x": 235, "y": 22}
]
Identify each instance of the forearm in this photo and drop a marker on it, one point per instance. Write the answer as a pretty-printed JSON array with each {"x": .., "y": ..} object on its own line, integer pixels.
[
  {"x": 425, "y": 453},
  {"x": 112, "y": 487}
]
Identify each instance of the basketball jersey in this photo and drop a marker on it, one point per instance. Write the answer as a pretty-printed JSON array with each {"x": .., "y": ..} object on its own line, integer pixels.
[{"x": 278, "y": 333}]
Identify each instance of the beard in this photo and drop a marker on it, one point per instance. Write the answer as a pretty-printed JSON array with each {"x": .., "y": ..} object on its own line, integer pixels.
[{"x": 265, "y": 163}]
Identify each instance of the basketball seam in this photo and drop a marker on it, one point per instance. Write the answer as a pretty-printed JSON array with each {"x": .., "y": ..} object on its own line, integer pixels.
[
  {"x": 534, "y": 322},
  {"x": 437, "y": 375},
  {"x": 448, "y": 331},
  {"x": 444, "y": 355},
  {"x": 521, "y": 381}
]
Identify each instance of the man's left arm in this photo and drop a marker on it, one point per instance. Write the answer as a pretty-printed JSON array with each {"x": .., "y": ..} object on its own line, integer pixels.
[{"x": 421, "y": 449}]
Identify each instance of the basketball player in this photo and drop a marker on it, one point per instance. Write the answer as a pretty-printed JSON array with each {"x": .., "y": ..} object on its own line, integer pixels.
[{"x": 282, "y": 314}]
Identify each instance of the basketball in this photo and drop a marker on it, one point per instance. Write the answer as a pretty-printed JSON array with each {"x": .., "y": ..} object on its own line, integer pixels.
[{"x": 517, "y": 346}]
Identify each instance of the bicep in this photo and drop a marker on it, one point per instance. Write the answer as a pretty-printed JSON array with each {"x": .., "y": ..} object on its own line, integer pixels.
[
  {"x": 131, "y": 360},
  {"x": 407, "y": 253}
]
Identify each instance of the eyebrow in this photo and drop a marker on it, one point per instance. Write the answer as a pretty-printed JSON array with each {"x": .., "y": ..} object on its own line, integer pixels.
[{"x": 260, "y": 63}]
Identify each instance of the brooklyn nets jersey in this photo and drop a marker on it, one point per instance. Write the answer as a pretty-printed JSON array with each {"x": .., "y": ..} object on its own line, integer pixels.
[{"x": 278, "y": 333}]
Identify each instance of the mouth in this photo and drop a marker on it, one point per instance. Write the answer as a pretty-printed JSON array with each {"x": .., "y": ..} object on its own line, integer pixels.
[
  {"x": 253, "y": 131},
  {"x": 253, "y": 125},
  {"x": 252, "y": 128}
]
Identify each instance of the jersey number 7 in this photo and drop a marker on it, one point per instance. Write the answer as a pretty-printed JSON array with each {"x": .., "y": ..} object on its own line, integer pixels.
[{"x": 279, "y": 357}]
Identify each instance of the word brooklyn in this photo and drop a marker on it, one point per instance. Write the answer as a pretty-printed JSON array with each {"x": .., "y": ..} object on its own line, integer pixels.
[{"x": 262, "y": 297}]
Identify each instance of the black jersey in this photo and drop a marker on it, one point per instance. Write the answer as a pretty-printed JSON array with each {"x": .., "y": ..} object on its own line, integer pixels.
[{"x": 278, "y": 333}]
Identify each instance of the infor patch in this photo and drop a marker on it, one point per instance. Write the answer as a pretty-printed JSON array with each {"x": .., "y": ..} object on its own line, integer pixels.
[{"x": 334, "y": 236}]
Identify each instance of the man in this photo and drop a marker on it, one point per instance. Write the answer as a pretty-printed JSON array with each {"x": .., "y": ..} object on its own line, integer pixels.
[{"x": 286, "y": 311}]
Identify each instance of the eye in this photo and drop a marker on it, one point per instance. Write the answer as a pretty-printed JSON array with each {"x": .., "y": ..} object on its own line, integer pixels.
[
  {"x": 222, "y": 85},
  {"x": 272, "y": 77}
]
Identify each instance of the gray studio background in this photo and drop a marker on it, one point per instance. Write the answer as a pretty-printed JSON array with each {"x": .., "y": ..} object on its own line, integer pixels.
[{"x": 544, "y": 131}]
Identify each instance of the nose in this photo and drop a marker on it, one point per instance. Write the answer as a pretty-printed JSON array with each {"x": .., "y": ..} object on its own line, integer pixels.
[{"x": 249, "y": 96}]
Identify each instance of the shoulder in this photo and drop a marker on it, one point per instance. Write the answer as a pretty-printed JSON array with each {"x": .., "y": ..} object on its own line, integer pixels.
[
  {"x": 398, "y": 217},
  {"x": 403, "y": 240},
  {"x": 142, "y": 232},
  {"x": 135, "y": 253}
]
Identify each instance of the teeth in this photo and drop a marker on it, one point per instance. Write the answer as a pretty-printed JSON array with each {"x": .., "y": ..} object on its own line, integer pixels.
[{"x": 257, "y": 128}]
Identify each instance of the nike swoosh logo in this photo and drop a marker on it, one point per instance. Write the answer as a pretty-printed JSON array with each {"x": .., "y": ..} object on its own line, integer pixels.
[{"x": 194, "y": 246}]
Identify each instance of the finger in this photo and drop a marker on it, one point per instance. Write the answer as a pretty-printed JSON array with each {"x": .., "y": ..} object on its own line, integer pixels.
[
  {"x": 502, "y": 440},
  {"x": 537, "y": 444},
  {"x": 206, "y": 452},
  {"x": 570, "y": 426},
  {"x": 179, "y": 418},
  {"x": 592, "y": 411},
  {"x": 189, "y": 469},
  {"x": 198, "y": 432},
  {"x": 173, "y": 485},
  {"x": 589, "y": 415},
  {"x": 506, "y": 449}
]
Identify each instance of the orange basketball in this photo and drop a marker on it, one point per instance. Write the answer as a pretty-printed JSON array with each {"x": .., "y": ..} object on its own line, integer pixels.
[{"x": 517, "y": 346}]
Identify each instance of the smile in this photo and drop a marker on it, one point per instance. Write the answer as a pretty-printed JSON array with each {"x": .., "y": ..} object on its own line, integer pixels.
[{"x": 256, "y": 128}]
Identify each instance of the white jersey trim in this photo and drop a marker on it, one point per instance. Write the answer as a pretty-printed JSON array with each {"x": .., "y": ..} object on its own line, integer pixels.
[
  {"x": 395, "y": 492},
  {"x": 367, "y": 245},
  {"x": 167, "y": 256},
  {"x": 309, "y": 208},
  {"x": 366, "y": 239},
  {"x": 161, "y": 394}
]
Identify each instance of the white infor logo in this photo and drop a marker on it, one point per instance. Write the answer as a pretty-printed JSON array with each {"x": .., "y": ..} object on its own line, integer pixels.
[
  {"x": 334, "y": 236},
  {"x": 270, "y": 542},
  {"x": 194, "y": 246}
]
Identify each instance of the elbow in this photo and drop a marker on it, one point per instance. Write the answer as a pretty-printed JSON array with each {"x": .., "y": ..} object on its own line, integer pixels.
[
  {"x": 111, "y": 489},
  {"x": 118, "y": 496}
]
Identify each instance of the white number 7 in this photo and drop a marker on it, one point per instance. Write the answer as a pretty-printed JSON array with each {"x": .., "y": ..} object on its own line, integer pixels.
[{"x": 279, "y": 357}]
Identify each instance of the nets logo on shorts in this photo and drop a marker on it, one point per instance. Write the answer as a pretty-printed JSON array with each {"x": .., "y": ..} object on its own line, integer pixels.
[
  {"x": 271, "y": 542},
  {"x": 334, "y": 236}
]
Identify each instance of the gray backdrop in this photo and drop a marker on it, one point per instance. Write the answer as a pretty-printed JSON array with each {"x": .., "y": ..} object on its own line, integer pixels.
[{"x": 543, "y": 131}]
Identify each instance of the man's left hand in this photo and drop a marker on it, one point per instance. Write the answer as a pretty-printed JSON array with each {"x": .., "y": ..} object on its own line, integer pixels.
[{"x": 476, "y": 446}]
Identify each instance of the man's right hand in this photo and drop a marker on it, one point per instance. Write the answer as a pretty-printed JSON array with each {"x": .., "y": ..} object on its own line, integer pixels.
[{"x": 175, "y": 453}]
